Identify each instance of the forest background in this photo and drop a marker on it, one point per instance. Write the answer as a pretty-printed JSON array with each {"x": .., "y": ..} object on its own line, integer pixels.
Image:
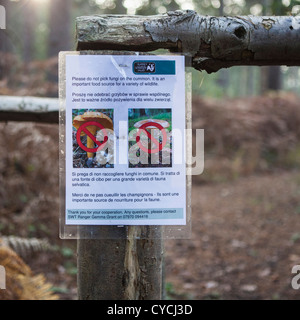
[{"x": 246, "y": 207}]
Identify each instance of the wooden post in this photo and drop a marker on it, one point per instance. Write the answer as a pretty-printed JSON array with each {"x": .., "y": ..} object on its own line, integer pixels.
[
  {"x": 121, "y": 269},
  {"x": 119, "y": 263}
]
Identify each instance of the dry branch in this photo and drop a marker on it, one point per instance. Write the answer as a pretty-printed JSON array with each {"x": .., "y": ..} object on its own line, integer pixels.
[
  {"x": 34, "y": 109},
  {"x": 212, "y": 42}
]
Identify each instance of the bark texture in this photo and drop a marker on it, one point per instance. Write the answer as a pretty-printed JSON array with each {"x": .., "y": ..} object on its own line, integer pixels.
[
  {"x": 29, "y": 109},
  {"x": 212, "y": 42},
  {"x": 120, "y": 269}
]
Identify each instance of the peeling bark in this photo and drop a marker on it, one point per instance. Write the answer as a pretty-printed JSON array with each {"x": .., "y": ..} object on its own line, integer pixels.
[
  {"x": 212, "y": 42},
  {"x": 128, "y": 268},
  {"x": 143, "y": 265}
]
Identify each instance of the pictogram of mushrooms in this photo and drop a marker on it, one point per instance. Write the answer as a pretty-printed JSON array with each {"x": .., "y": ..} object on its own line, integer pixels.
[
  {"x": 92, "y": 116},
  {"x": 163, "y": 123}
]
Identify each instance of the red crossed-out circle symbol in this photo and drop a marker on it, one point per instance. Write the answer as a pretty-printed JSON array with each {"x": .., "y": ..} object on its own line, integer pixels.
[
  {"x": 100, "y": 145},
  {"x": 159, "y": 146}
]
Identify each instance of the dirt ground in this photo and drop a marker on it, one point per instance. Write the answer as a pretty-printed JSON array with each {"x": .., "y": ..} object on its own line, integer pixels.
[
  {"x": 245, "y": 218},
  {"x": 245, "y": 240}
]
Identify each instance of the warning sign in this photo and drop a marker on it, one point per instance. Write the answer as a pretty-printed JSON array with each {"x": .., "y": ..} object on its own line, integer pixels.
[
  {"x": 124, "y": 120},
  {"x": 92, "y": 132},
  {"x": 84, "y": 128},
  {"x": 146, "y": 128}
]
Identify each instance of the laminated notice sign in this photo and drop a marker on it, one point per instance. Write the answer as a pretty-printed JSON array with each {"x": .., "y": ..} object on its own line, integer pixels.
[{"x": 124, "y": 126}]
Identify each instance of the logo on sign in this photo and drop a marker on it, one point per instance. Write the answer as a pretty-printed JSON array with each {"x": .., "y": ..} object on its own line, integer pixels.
[{"x": 144, "y": 67}]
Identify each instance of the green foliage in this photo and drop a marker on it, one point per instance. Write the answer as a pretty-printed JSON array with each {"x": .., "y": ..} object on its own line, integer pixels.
[
  {"x": 169, "y": 291},
  {"x": 292, "y": 157},
  {"x": 204, "y": 84},
  {"x": 172, "y": 294},
  {"x": 67, "y": 252},
  {"x": 70, "y": 268},
  {"x": 295, "y": 237}
]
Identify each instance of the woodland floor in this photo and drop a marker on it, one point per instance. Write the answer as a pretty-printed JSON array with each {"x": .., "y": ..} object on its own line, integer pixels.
[
  {"x": 245, "y": 240},
  {"x": 245, "y": 223}
]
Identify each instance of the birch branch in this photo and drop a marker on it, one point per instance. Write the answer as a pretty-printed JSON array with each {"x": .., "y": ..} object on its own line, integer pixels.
[
  {"x": 212, "y": 42},
  {"x": 29, "y": 109}
]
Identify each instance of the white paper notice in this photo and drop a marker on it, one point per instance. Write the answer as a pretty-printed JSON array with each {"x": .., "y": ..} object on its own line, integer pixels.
[{"x": 125, "y": 140}]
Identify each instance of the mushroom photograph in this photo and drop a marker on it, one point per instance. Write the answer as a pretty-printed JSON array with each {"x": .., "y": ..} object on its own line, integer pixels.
[
  {"x": 93, "y": 138},
  {"x": 150, "y": 139}
]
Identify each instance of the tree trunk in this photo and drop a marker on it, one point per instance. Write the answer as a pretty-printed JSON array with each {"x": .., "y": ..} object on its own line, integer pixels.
[
  {"x": 60, "y": 27},
  {"x": 221, "y": 9},
  {"x": 29, "y": 26},
  {"x": 212, "y": 42},
  {"x": 274, "y": 78},
  {"x": 250, "y": 81},
  {"x": 5, "y": 41},
  {"x": 120, "y": 9}
]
